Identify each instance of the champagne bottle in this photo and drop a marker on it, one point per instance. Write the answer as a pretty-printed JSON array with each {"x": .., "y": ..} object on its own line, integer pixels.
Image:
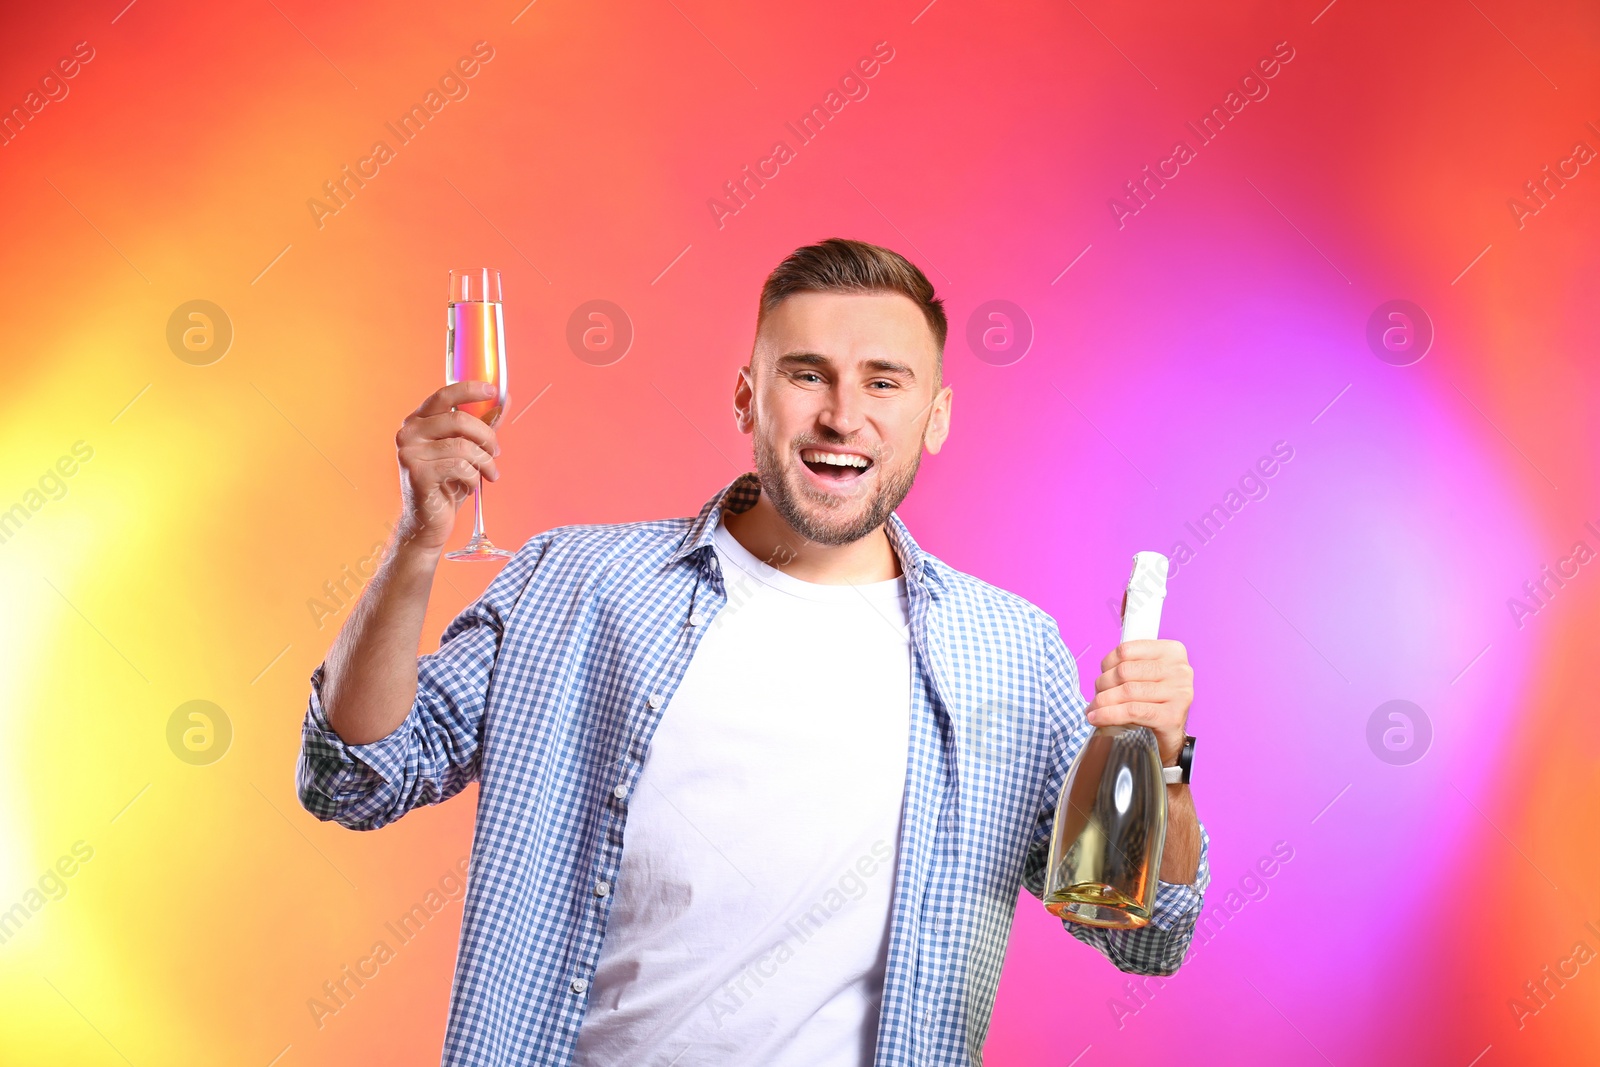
[{"x": 1111, "y": 820}]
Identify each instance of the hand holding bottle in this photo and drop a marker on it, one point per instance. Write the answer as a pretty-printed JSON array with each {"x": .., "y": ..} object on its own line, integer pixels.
[
  {"x": 1146, "y": 683},
  {"x": 1108, "y": 842}
]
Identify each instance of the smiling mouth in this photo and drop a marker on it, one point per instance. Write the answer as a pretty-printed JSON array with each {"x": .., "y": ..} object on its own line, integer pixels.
[{"x": 840, "y": 467}]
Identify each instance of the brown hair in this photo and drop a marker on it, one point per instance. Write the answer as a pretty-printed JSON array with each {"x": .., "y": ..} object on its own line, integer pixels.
[{"x": 839, "y": 265}]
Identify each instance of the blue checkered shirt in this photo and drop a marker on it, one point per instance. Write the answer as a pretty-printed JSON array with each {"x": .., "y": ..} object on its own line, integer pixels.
[{"x": 546, "y": 692}]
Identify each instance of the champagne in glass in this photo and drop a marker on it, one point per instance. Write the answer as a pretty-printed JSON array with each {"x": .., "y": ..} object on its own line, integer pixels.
[
  {"x": 475, "y": 351},
  {"x": 1111, "y": 820}
]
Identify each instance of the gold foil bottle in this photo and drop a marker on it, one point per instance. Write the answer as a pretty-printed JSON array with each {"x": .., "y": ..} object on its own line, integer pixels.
[{"x": 1111, "y": 820}]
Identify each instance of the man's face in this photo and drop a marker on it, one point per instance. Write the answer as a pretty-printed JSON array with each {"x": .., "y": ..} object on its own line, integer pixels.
[{"x": 841, "y": 399}]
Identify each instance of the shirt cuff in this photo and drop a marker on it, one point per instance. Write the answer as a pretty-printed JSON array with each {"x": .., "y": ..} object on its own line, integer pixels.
[
  {"x": 336, "y": 766},
  {"x": 1177, "y": 903}
]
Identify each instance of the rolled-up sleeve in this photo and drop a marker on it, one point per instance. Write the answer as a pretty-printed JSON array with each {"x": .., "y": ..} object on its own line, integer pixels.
[
  {"x": 1159, "y": 946},
  {"x": 433, "y": 754}
]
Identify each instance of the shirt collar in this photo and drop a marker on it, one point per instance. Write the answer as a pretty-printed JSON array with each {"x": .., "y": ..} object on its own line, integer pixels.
[{"x": 741, "y": 495}]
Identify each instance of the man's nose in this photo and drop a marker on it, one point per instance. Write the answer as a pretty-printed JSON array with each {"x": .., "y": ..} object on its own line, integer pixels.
[{"x": 842, "y": 412}]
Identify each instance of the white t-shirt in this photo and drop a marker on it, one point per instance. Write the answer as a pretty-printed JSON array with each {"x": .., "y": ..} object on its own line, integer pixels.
[{"x": 751, "y": 919}]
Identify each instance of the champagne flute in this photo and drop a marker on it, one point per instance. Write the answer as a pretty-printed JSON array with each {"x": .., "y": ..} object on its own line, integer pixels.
[{"x": 475, "y": 351}]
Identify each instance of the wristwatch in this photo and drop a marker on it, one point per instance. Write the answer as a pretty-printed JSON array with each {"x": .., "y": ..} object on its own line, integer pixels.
[{"x": 1179, "y": 773}]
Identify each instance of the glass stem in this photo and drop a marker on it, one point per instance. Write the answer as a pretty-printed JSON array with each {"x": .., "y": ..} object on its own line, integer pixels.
[{"x": 477, "y": 513}]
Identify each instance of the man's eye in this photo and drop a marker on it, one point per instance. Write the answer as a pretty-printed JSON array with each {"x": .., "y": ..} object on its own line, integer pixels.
[{"x": 886, "y": 385}]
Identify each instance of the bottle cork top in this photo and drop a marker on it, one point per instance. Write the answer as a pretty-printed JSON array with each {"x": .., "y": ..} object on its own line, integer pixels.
[{"x": 1147, "y": 588}]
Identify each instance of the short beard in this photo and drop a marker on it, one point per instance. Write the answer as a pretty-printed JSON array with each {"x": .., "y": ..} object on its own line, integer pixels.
[{"x": 785, "y": 496}]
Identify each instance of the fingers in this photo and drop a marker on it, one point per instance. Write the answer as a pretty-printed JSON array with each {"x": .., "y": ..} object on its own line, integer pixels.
[
  {"x": 445, "y": 454},
  {"x": 1146, "y": 692},
  {"x": 1138, "y": 706},
  {"x": 1169, "y": 672},
  {"x": 1144, "y": 650},
  {"x": 436, "y": 452},
  {"x": 1166, "y": 721},
  {"x": 456, "y": 478},
  {"x": 1168, "y": 686},
  {"x": 1153, "y": 681},
  {"x": 1141, "y": 693},
  {"x": 1113, "y": 687},
  {"x": 1130, "y": 670},
  {"x": 1143, "y": 698},
  {"x": 446, "y": 425},
  {"x": 1134, "y": 714},
  {"x": 451, "y": 395},
  {"x": 1145, "y": 683}
]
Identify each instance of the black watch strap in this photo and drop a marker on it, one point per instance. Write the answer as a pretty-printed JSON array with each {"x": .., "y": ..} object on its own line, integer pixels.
[{"x": 1179, "y": 773}]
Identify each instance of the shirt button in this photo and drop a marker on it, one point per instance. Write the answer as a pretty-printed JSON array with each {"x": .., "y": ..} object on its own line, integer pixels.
[
  {"x": 621, "y": 791},
  {"x": 579, "y": 985},
  {"x": 602, "y": 888},
  {"x": 654, "y": 701},
  {"x": 696, "y": 619}
]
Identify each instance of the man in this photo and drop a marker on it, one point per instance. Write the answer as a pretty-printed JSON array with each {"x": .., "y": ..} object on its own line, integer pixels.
[{"x": 756, "y": 787}]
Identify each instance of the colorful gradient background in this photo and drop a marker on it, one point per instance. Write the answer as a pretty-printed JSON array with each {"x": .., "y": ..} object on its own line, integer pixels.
[{"x": 1229, "y": 314}]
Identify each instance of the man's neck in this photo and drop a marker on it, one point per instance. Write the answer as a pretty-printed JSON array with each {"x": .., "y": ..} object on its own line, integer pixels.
[{"x": 766, "y": 535}]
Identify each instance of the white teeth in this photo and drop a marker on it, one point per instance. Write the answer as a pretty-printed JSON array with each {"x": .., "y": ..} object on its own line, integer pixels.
[{"x": 835, "y": 459}]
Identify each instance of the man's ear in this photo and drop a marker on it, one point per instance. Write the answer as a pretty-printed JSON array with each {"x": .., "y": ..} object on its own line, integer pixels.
[
  {"x": 938, "y": 427},
  {"x": 744, "y": 399}
]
